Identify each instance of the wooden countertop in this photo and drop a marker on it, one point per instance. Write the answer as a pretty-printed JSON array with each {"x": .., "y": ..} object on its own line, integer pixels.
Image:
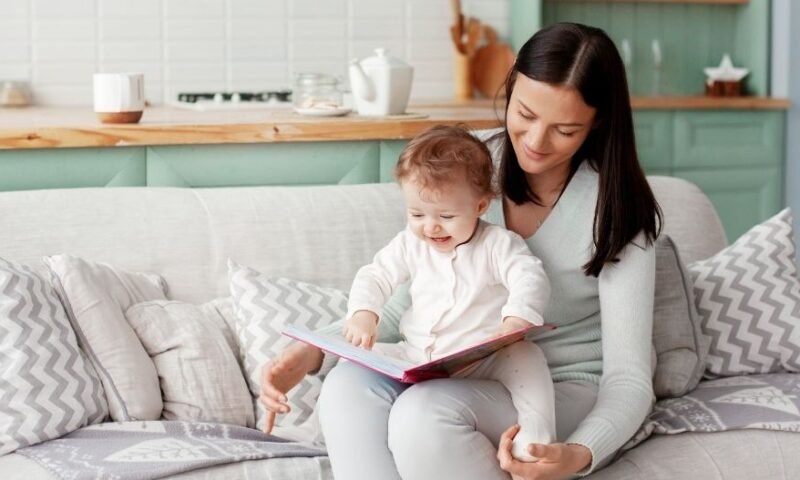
[
  {"x": 71, "y": 127},
  {"x": 53, "y": 127}
]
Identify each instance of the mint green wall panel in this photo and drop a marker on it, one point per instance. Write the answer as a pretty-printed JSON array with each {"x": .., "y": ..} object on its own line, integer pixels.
[
  {"x": 322, "y": 163},
  {"x": 525, "y": 19},
  {"x": 752, "y": 44},
  {"x": 654, "y": 138},
  {"x": 692, "y": 36},
  {"x": 743, "y": 197},
  {"x": 664, "y": 172},
  {"x": 390, "y": 152},
  {"x": 72, "y": 168},
  {"x": 725, "y": 139}
]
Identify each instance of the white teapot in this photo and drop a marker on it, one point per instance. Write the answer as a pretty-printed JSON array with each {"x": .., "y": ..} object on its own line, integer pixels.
[{"x": 381, "y": 84}]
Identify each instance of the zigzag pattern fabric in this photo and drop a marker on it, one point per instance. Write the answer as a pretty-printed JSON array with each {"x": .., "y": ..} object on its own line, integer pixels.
[
  {"x": 264, "y": 305},
  {"x": 749, "y": 297},
  {"x": 47, "y": 387}
]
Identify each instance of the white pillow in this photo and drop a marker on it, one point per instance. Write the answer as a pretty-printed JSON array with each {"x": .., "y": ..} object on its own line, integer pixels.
[
  {"x": 193, "y": 351},
  {"x": 263, "y": 305},
  {"x": 748, "y": 296},
  {"x": 96, "y": 296},
  {"x": 48, "y": 388}
]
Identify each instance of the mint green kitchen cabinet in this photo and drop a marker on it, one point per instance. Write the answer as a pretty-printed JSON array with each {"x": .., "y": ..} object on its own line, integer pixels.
[
  {"x": 653, "y": 131},
  {"x": 71, "y": 168},
  {"x": 737, "y": 160},
  {"x": 728, "y": 139},
  {"x": 735, "y": 157},
  {"x": 390, "y": 152},
  {"x": 743, "y": 197},
  {"x": 312, "y": 163}
]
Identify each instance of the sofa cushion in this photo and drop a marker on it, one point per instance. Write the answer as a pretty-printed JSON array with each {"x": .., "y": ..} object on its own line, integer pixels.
[
  {"x": 732, "y": 455},
  {"x": 264, "y": 305},
  {"x": 47, "y": 386},
  {"x": 96, "y": 296},
  {"x": 193, "y": 349},
  {"x": 678, "y": 339},
  {"x": 749, "y": 297}
]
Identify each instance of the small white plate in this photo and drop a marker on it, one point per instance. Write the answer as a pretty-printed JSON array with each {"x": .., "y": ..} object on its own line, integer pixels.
[{"x": 324, "y": 112}]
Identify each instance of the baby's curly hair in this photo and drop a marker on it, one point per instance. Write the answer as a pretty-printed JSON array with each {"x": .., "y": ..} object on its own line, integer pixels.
[{"x": 445, "y": 155}]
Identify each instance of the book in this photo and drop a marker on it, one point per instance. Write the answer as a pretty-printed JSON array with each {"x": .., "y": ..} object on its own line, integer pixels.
[{"x": 402, "y": 370}]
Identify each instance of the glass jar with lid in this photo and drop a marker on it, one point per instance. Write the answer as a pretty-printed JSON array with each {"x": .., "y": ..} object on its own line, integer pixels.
[
  {"x": 316, "y": 90},
  {"x": 14, "y": 94}
]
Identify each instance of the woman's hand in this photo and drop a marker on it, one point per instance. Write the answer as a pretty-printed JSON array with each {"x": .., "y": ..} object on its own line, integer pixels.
[
  {"x": 556, "y": 461},
  {"x": 280, "y": 374}
]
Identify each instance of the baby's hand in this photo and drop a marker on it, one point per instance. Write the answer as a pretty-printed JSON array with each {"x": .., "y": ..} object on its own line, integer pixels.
[
  {"x": 361, "y": 329},
  {"x": 509, "y": 324}
]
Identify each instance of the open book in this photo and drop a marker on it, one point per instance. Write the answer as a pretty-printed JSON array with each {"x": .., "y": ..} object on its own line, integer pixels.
[{"x": 405, "y": 371}]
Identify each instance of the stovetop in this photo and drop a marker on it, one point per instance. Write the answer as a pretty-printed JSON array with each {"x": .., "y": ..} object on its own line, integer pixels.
[{"x": 234, "y": 100}]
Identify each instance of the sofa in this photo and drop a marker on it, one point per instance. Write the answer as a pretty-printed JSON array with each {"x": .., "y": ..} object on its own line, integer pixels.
[{"x": 321, "y": 235}]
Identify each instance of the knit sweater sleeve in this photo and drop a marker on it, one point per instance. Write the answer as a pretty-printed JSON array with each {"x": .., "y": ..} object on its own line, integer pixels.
[{"x": 625, "y": 394}]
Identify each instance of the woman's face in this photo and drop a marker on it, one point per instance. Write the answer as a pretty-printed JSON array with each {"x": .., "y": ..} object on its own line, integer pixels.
[{"x": 547, "y": 124}]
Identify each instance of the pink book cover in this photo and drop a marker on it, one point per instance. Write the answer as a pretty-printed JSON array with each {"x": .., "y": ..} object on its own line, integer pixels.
[{"x": 405, "y": 371}]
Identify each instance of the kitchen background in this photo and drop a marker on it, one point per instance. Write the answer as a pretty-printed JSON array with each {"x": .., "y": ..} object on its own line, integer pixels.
[
  {"x": 218, "y": 45},
  {"x": 245, "y": 45}
]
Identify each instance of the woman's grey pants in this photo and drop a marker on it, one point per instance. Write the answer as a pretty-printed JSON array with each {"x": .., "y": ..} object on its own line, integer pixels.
[{"x": 377, "y": 428}]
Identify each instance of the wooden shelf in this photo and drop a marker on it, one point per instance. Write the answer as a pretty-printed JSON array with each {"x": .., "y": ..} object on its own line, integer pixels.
[
  {"x": 706, "y": 2},
  {"x": 700, "y": 102},
  {"x": 665, "y": 102}
]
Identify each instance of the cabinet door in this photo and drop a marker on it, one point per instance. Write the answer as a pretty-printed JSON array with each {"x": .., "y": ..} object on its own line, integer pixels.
[
  {"x": 728, "y": 139},
  {"x": 72, "y": 168},
  {"x": 743, "y": 197},
  {"x": 654, "y": 140},
  {"x": 322, "y": 163}
]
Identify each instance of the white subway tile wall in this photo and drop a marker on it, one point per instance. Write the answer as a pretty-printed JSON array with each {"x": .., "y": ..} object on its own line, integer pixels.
[{"x": 195, "y": 45}]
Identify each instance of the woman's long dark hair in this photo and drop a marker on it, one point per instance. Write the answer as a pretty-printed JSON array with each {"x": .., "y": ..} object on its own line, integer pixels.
[{"x": 585, "y": 58}]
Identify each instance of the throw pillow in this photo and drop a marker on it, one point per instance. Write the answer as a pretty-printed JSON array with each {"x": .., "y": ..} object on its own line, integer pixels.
[
  {"x": 48, "y": 388},
  {"x": 191, "y": 347},
  {"x": 749, "y": 297},
  {"x": 263, "y": 305},
  {"x": 96, "y": 296},
  {"x": 678, "y": 338}
]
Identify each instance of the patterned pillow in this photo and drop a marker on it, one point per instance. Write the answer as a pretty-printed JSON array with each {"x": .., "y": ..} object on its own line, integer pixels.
[
  {"x": 48, "y": 387},
  {"x": 749, "y": 297},
  {"x": 263, "y": 305},
  {"x": 96, "y": 296}
]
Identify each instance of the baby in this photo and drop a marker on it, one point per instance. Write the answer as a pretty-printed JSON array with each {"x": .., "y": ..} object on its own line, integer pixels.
[{"x": 469, "y": 280}]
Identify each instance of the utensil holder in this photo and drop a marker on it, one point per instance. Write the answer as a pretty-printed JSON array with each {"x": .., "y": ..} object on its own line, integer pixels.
[{"x": 462, "y": 76}]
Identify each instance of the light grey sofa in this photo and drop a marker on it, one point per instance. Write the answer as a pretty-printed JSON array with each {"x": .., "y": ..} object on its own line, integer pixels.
[{"x": 322, "y": 235}]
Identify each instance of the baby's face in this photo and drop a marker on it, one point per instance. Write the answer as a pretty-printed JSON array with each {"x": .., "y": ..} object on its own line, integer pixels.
[{"x": 445, "y": 217}]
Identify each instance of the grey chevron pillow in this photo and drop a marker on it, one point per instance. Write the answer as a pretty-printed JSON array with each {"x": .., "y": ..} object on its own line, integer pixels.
[
  {"x": 263, "y": 306},
  {"x": 47, "y": 387},
  {"x": 749, "y": 297}
]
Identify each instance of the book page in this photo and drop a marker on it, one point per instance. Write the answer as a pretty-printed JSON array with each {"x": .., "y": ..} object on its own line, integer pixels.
[{"x": 337, "y": 345}]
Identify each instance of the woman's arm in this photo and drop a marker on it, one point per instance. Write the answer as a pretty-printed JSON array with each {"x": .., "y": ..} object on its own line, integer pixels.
[
  {"x": 625, "y": 394},
  {"x": 281, "y": 374}
]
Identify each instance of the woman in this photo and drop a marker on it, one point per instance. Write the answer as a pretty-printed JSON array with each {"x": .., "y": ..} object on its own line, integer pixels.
[{"x": 573, "y": 188}]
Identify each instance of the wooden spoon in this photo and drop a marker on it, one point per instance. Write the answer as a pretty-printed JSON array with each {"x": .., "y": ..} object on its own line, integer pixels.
[
  {"x": 491, "y": 64},
  {"x": 457, "y": 29}
]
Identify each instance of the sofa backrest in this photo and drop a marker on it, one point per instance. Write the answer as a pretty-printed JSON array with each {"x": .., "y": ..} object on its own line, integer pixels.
[
  {"x": 689, "y": 218},
  {"x": 320, "y": 234}
]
